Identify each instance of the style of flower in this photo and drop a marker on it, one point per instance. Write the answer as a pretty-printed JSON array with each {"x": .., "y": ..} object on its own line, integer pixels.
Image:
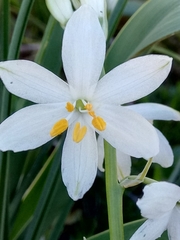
[
  {"x": 84, "y": 104},
  {"x": 161, "y": 205},
  {"x": 150, "y": 111}
]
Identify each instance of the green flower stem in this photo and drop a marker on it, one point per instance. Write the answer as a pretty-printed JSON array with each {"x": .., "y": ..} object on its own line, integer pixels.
[{"x": 114, "y": 193}]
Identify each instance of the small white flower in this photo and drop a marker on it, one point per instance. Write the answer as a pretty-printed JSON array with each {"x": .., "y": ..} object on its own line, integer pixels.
[
  {"x": 84, "y": 104},
  {"x": 160, "y": 204}
]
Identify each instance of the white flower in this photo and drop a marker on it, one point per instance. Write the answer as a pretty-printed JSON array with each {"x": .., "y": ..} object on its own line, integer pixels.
[
  {"x": 62, "y": 10},
  {"x": 160, "y": 204},
  {"x": 84, "y": 105},
  {"x": 150, "y": 111}
]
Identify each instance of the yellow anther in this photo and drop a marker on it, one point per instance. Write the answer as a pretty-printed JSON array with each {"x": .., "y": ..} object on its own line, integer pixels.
[
  {"x": 89, "y": 106},
  {"x": 99, "y": 123},
  {"x": 69, "y": 107},
  {"x": 59, "y": 127},
  {"x": 79, "y": 133}
]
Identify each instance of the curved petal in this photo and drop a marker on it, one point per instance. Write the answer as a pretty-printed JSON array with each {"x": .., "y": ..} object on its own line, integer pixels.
[
  {"x": 30, "y": 81},
  {"x": 128, "y": 132},
  {"x": 79, "y": 163},
  {"x": 155, "y": 111},
  {"x": 165, "y": 155},
  {"x": 158, "y": 198},
  {"x": 100, "y": 145},
  {"x": 123, "y": 165},
  {"x": 133, "y": 79},
  {"x": 174, "y": 224},
  {"x": 30, "y": 127},
  {"x": 83, "y": 51},
  {"x": 61, "y": 10},
  {"x": 151, "y": 229}
]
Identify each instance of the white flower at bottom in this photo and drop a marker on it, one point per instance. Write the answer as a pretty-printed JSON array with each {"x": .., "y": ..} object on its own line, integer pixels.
[
  {"x": 160, "y": 204},
  {"x": 84, "y": 104}
]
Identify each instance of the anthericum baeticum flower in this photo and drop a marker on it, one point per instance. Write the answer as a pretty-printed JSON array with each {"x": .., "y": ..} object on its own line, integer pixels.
[
  {"x": 84, "y": 104},
  {"x": 160, "y": 204}
]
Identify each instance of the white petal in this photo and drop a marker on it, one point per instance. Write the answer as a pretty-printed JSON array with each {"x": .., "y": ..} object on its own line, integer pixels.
[
  {"x": 158, "y": 198},
  {"x": 30, "y": 81},
  {"x": 155, "y": 111},
  {"x": 83, "y": 51},
  {"x": 30, "y": 127},
  {"x": 60, "y": 9},
  {"x": 151, "y": 229},
  {"x": 79, "y": 163},
  {"x": 123, "y": 165},
  {"x": 100, "y": 144},
  {"x": 165, "y": 156},
  {"x": 174, "y": 224},
  {"x": 133, "y": 79},
  {"x": 128, "y": 132}
]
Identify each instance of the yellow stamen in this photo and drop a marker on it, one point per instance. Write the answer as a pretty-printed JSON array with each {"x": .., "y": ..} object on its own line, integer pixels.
[
  {"x": 92, "y": 114},
  {"x": 59, "y": 127},
  {"x": 69, "y": 107},
  {"x": 79, "y": 132},
  {"x": 99, "y": 123},
  {"x": 89, "y": 106}
]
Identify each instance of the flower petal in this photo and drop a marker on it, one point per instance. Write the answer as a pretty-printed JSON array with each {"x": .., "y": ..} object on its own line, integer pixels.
[
  {"x": 133, "y": 79},
  {"x": 165, "y": 155},
  {"x": 79, "y": 163},
  {"x": 155, "y": 111},
  {"x": 61, "y": 10},
  {"x": 83, "y": 51},
  {"x": 30, "y": 81},
  {"x": 123, "y": 165},
  {"x": 158, "y": 198},
  {"x": 174, "y": 224},
  {"x": 128, "y": 132},
  {"x": 151, "y": 229},
  {"x": 30, "y": 127},
  {"x": 100, "y": 145}
]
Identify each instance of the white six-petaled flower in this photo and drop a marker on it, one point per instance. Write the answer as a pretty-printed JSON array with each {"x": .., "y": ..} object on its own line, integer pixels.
[
  {"x": 84, "y": 104},
  {"x": 160, "y": 204}
]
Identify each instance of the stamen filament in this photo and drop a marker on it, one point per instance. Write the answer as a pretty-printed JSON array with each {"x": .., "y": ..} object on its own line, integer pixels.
[
  {"x": 79, "y": 133},
  {"x": 59, "y": 127}
]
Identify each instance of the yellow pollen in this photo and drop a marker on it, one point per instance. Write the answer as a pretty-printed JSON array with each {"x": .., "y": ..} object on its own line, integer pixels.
[
  {"x": 59, "y": 127},
  {"x": 79, "y": 133},
  {"x": 69, "y": 107},
  {"x": 99, "y": 123},
  {"x": 92, "y": 114}
]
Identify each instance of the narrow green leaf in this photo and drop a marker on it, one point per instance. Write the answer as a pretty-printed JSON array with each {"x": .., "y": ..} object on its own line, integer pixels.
[
  {"x": 154, "y": 21},
  {"x": 51, "y": 46}
]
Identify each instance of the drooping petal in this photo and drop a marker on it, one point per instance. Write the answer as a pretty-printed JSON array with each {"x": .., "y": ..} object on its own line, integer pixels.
[
  {"x": 100, "y": 145},
  {"x": 123, "y": 165},
  {"x": 165, "y": 155},
  {"x": 158, "y": 198},
  {"x": 152, "y": 229},
  {"x": 30, "y": 81},
  {"x": 133, "y": 79},
  {"x": 174, "y": 224},
  {"x": 155, "y": 111},
  {"x": 30, "y": 127},
  {"x": 83, "y": 51},
  {"x": 61, "y": 10},
  {"x": 79, "y": 163},
  {"x": 128, "y": 132}
]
